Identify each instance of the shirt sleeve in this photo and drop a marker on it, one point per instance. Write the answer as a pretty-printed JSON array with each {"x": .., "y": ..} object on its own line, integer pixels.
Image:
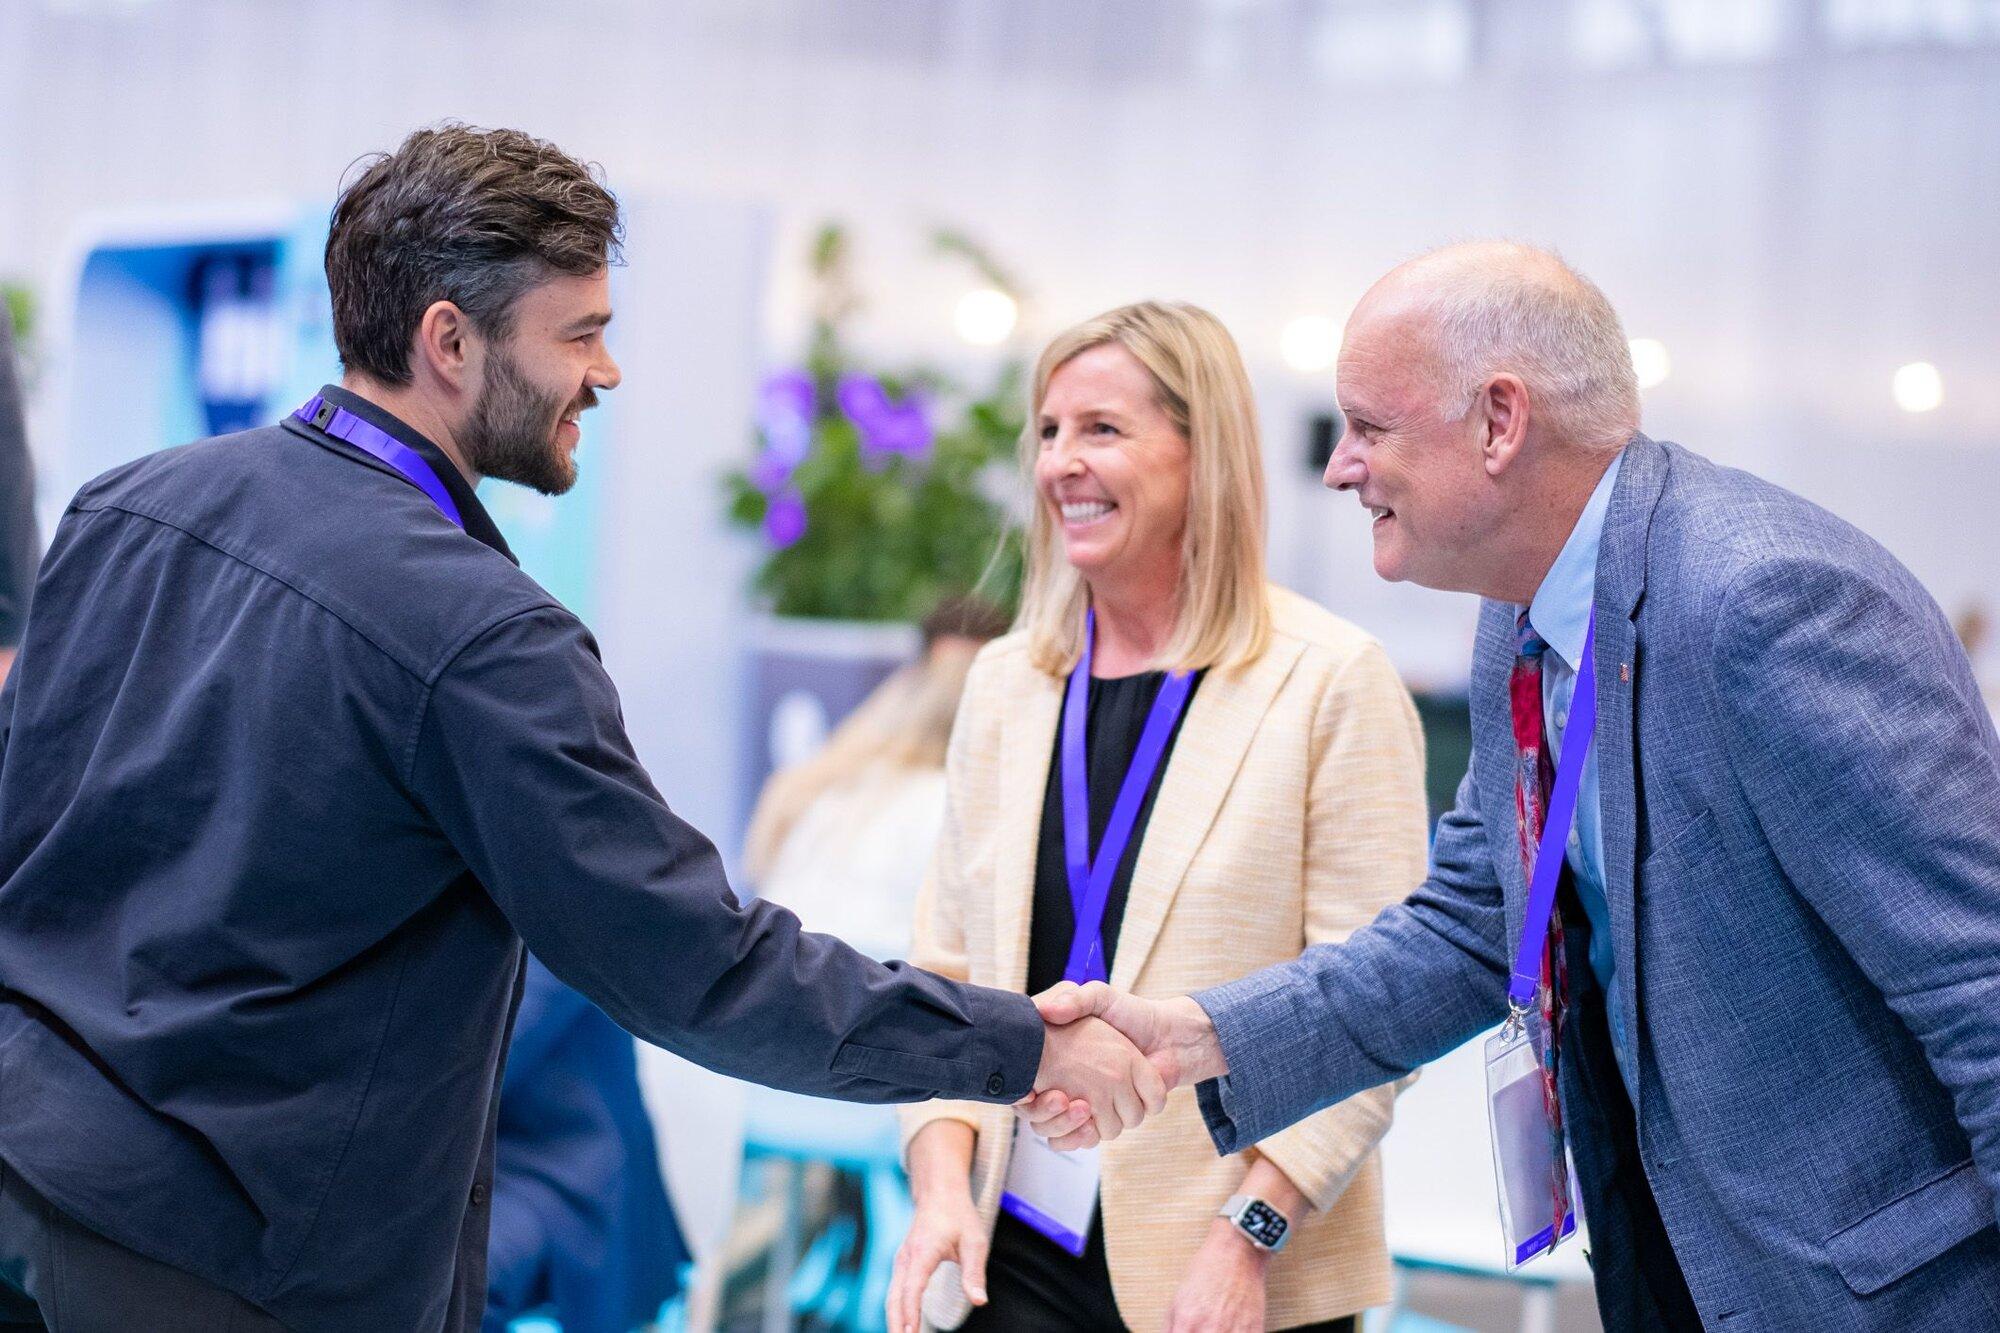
[
  {"x": 521, "y": 757},
  {"x": 1423, "y": 977},
  {"x": 20, "y": 548}
]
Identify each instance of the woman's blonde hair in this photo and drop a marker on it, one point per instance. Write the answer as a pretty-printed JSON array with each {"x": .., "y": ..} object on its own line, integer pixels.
[{"x": 1224, "y": 618}]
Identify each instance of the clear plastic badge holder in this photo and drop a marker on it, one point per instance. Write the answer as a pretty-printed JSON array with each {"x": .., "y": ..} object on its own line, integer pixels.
[
  {"x": 1530, "y": 1166},
  {"x": 1537, "y": 1198}
]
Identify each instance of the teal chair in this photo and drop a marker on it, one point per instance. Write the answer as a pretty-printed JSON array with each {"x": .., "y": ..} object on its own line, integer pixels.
[
  {"x": 785, "y": 1132},
  {"x": 1535, "y": 1290}
]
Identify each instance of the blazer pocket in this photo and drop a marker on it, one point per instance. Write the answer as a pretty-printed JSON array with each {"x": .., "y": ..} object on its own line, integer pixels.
[
  {"x": 1902, "y": 1236},
  {"x": 1695, "y": 834}
]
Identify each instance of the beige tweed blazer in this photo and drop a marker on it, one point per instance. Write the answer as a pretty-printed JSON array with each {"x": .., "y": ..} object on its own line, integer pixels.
[{"x": 1292, "y": 811}]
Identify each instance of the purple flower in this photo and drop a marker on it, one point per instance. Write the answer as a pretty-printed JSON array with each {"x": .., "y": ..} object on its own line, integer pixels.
[
  {"x": 785, "y": 416},
  {"x": 784, "y": 520},
  {"x": 771, "y": 471},
  {"x": 887, "y": 428}
]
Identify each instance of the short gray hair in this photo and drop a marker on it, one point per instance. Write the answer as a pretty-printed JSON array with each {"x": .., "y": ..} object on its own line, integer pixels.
[{"x": 1532, "y": 315}]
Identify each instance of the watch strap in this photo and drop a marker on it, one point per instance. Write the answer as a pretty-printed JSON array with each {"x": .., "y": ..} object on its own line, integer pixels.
[{"x": 1238, "y": 1204}]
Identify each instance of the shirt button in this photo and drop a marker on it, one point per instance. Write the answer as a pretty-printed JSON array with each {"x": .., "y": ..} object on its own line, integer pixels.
[
  {"x": 479, "y": 1195},
  {"x": 1562, "y": 718},
  {"x": 994, "y": 1085}
]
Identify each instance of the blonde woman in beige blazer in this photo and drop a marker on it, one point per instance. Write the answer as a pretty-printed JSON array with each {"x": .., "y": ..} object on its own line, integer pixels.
[{"x": 1287, "y": 811}]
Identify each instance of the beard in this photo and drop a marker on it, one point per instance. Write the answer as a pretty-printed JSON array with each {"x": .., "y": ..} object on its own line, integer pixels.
[{"x": 512, "y": 431}]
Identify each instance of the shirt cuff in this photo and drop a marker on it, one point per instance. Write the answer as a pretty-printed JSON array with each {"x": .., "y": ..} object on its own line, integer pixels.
[{"x": 1005, "y": 1051}]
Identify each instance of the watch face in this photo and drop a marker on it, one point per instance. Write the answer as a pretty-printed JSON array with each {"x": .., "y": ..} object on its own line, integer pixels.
[{"x": 1262, "y": 1223}]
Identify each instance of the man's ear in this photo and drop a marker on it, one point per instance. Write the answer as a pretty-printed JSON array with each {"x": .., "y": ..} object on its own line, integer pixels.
[
  {"x": 1503, "y": 408},
  {"x": 445, "y": 344}
]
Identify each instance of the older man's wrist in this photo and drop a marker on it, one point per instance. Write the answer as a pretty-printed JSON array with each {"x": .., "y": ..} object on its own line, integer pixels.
[{"x": 1197, "y": 1048}]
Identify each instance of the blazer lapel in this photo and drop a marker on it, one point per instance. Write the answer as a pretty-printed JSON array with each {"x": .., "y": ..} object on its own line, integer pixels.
[
  {"x": 1621, "y": 584},
  {"x": 1493, "y": 733},
  {"x": 1220, "y": 725},
  {"x": 1028, "y": 746}
]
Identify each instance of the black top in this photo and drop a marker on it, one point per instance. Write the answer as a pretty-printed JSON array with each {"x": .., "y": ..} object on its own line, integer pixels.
[
  {"x": 18, "y": 547},
  {"x": 1039, "y": 1283},
  {"x": 1118, "y": 711},
  {"x": 286, "y": 763}
]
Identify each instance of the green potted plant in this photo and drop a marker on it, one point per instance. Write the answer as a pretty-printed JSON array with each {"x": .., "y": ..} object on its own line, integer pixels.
[{"x": 875, "y": 494}]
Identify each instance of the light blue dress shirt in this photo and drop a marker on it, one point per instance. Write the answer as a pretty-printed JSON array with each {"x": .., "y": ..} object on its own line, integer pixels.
[{"x": 1560, "y": 613}]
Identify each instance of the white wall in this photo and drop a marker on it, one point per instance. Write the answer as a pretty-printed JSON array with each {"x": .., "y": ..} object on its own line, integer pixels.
[{"x": 1793, "y": 230}]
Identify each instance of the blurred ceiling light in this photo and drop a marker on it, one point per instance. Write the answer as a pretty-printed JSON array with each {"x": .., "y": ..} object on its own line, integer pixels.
[
  {"x": 1650, "y": 362},
  {"x": 1918, "y": 387},
  {"x": 1310, "y": 343},
  {"x": 985, "y": 316}
]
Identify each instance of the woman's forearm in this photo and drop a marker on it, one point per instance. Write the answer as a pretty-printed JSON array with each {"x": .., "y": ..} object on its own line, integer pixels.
[{"x": 940, "y": 1159}]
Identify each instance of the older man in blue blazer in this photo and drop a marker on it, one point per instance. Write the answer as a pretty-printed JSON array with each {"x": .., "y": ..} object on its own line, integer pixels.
[{"x": 1779, "y": 1061}]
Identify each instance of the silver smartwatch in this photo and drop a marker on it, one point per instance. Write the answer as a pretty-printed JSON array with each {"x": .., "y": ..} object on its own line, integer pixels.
[{"x": 1261, "y": 1224}]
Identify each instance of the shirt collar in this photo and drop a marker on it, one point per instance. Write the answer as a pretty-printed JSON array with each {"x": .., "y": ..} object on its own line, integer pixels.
[
  {"x": 478, "y": 523},
  {"x": 1560, "y": 612}
]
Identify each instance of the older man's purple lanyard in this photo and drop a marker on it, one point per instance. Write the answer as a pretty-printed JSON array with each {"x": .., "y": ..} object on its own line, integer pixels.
[
  {"x": 1090, "y": 878},
  {"x": 1534, "y": 972},
  {"x": 371, "y": 439}
]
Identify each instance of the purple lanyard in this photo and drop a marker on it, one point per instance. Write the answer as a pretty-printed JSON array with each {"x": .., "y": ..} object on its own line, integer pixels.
[
  {"x": 1555, "y": 830},
  {"x": 1090, "y": 881},
  {"x": 344, "y": 425}
]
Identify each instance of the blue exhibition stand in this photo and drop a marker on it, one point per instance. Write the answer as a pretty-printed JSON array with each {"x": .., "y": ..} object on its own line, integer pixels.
[{"x": 170, "y": 326}]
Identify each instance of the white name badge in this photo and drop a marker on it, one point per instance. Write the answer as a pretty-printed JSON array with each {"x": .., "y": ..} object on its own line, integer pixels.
[
  {"x": 1053, "y": 1192},
  {"x": 1537, "y": 1197}
]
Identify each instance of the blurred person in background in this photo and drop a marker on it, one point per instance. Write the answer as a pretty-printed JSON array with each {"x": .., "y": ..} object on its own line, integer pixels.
[
  {"x": 581, "y": 1221},
  {"x": 18, "y": 546},
  {"x": 844, "y": 838},
  {"x": 1207, "y": 772}
]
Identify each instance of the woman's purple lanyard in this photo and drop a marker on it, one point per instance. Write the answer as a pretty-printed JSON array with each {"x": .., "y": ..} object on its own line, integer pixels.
[
  {"x": 344, "y": 425},
  {"x": 1555, "y": 831},
  {"x": 1090, "y": 880}
]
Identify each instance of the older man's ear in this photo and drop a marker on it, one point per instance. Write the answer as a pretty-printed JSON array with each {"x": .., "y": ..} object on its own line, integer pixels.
[{"x": 1505, "y": 407}]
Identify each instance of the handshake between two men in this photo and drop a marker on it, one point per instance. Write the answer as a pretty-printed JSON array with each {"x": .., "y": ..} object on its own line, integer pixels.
[{"x": 1111, "y": 1059}]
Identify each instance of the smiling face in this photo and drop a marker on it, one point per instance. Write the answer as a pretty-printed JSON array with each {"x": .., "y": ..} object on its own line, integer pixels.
[
  {"x": 1113, "y": 470},
  {"x": 1415, "y": 466},
  {"x": 534, "y": 385}
]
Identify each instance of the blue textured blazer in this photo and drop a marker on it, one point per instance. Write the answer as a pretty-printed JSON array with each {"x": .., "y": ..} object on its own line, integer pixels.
[{"x": 1801, "y": 805}]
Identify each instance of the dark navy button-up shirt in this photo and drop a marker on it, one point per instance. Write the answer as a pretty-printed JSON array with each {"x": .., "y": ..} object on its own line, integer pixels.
[{"x": 289, "y": 767}]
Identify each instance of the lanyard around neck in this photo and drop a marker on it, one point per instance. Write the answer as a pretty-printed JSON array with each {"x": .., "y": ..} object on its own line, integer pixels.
[
  {"x": 1090, "y": 879},
  {"x": 1577, "y": 738},
  {"x": 372, "y": 439}
]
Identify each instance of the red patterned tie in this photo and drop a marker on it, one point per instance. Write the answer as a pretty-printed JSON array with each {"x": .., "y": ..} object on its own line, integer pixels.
[{"x": 1534, "y": 779}]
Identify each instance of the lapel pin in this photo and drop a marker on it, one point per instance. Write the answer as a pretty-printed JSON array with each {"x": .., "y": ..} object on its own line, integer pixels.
[{"x": 1625, "y": 671}]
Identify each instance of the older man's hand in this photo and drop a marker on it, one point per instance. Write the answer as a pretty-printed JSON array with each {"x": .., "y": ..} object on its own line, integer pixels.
[
  {"x": 1103, "y": 1081},
  {"x": 1175, "y": 1036}
]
